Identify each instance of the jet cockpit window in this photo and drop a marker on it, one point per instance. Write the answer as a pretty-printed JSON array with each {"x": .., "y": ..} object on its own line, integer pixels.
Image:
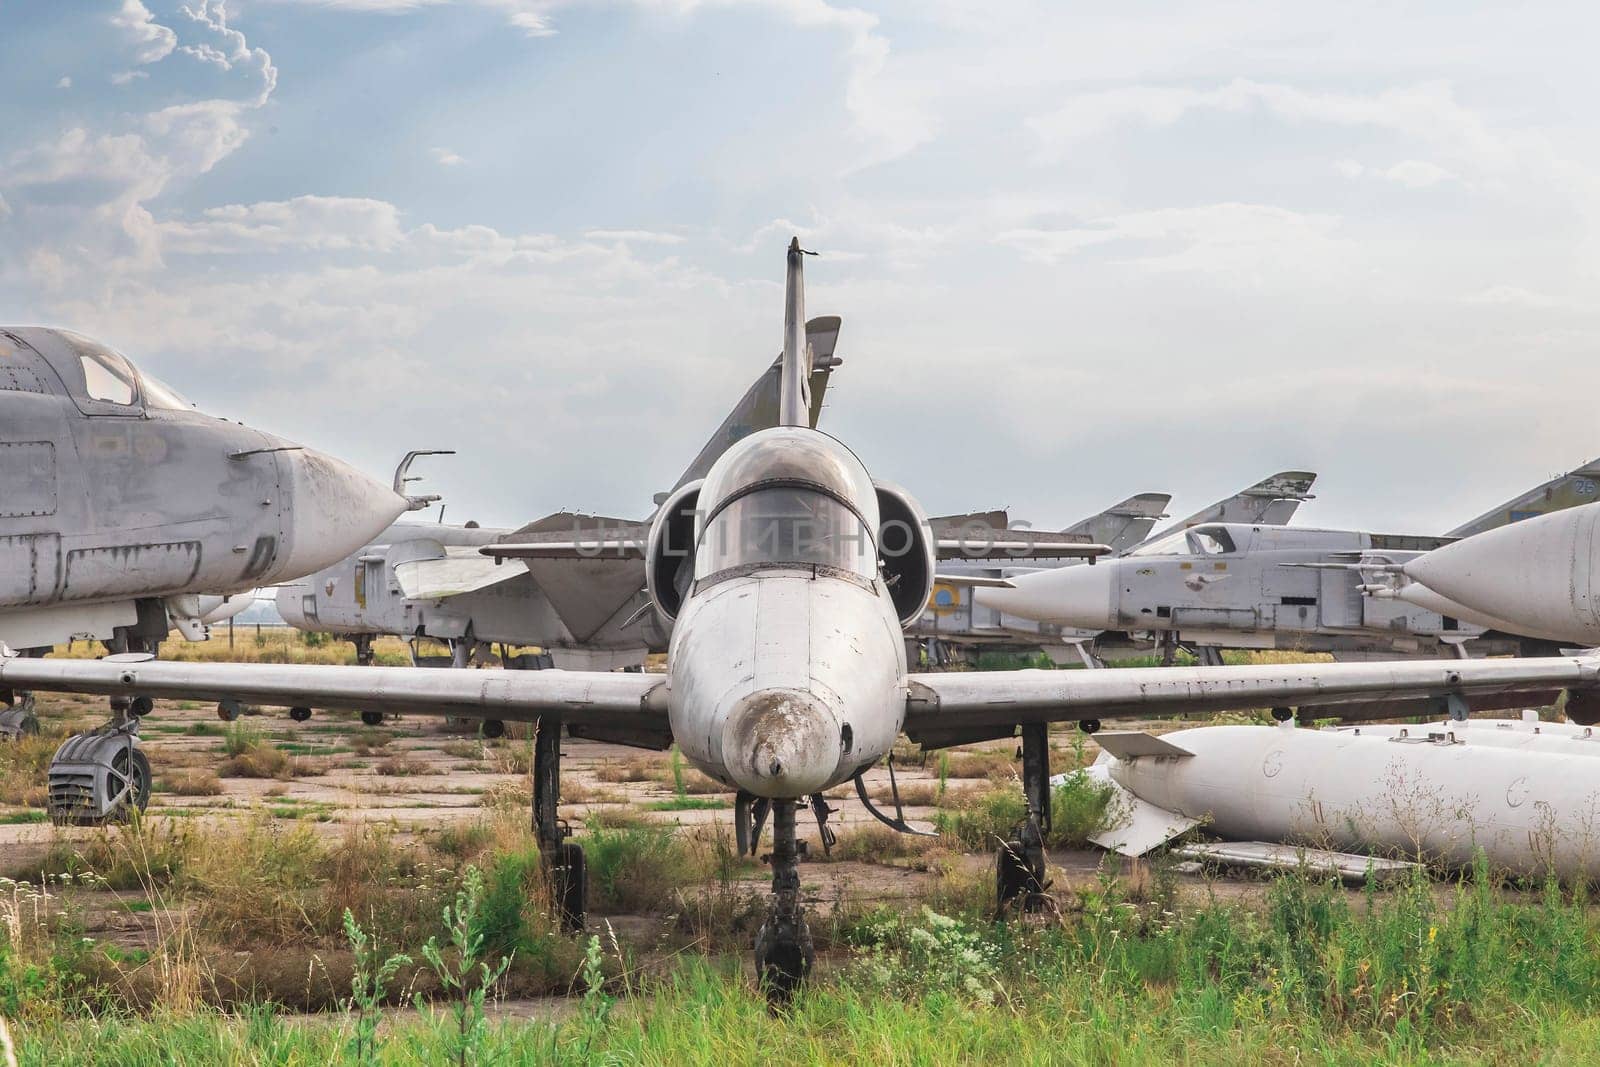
[
  {"x": 1211, "y": 541},
  {"x": 158, "y": 394},
  {"x": 107, "y": 377},
  {"x": 786, "y": 524},
  {"x": 1173, "y": 544}
]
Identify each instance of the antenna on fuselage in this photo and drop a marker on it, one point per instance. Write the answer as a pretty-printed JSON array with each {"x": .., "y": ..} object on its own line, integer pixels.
[{"x": 794, "y": 387}]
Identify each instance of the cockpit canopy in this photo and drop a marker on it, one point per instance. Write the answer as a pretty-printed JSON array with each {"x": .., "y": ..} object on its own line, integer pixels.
[
  {"x": 1204, "y": 540},
  {"x": 99, "y": 379},
  {"x": 787, "y": 495}
]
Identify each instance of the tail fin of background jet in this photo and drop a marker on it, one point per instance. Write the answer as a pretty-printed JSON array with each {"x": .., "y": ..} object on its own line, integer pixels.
[
  {"x": 1270, "y": 502},
  {"x": 1581, "y": 486},
  {"x": 1126, "y": 524},
  {"x": 758, "y": 408},
  {"x": 794, "y": 405}
]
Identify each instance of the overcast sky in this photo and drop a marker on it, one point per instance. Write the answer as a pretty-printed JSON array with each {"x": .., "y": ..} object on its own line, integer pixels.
[{"x": 1080, "y": 251}]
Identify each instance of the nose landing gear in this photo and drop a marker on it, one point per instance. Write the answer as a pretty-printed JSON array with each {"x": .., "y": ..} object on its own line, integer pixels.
[{"x": 784, "y": 952}]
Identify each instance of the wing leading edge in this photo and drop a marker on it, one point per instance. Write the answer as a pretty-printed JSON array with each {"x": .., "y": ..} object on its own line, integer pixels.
[
  {"x": 957, "y": 707},
  {"x": 629, "y": 708}
]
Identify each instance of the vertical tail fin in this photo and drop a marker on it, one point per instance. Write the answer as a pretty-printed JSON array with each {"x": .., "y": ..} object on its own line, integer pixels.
[
  {"x": 794, "y": 396},
  {"x": 1564, "y": 491},
  {"x": 1270, "y": 502}
]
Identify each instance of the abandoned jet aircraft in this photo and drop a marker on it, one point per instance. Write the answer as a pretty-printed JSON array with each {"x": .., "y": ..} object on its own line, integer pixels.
[
  {"x": 123, "y": 510},
  {"x": 955, "y": 624},
  {"x": 421, "y": 580},
  {"x": 790, "y": 574},
  {"x": 1240, "y": 585}
]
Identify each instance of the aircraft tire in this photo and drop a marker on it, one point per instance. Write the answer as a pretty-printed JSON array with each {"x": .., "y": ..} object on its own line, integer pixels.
[
  {"x": 572, "y": 886},
  {"x": 134, "y": 764}
]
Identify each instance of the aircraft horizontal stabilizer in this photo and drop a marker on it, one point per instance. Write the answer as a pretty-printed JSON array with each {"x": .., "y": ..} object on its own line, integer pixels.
[
  {"x": 458, "y": 571},
  {"x": 1132, "y": 744},
  {"x": 973, "y": 580},
  {"x": 1134, "y": 826}
]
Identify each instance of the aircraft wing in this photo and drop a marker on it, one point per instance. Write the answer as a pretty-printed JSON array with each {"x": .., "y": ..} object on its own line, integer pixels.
[
  {"x": 628, "y": 708},
  {"x": 956, "y": 707},
  {"x": 629, "y": 549},
  {"x": 1017, "y": 544},
  {"x": 452, "y": 574}
]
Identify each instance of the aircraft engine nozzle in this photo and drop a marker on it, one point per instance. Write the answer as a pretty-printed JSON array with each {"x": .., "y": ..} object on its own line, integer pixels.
[{"x": 781, "y": 743}]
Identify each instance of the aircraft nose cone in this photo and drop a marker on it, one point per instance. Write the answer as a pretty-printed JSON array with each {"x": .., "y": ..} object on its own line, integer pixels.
[
  {"x": 1537, "y": 574},
  {"x": 781, "y": 743},
  {"x": 1077, "y": 596},
  {"x": 331, "y": 509}
]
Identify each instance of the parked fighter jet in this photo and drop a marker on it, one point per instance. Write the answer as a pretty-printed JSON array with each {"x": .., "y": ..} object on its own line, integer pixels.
[
  {"x": 790, "y": 574},
  {"x": 1238, "y": 585},
  {"x": 418, "y": 580},
  {"x": 956, "y": 625},
  {"x": 122, "y": 508}
]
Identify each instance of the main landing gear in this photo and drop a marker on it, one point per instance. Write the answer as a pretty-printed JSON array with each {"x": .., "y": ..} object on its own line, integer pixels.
[
  {"x": 17, "y": 718},
  {"x": 784, "y": 951},
  {"x": 102, "y": 776},
  {"x": 565, "y": 867},
  {"x": 1019, "y": 880}
]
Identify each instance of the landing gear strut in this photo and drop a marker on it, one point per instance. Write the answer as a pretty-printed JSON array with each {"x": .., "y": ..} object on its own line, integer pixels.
[
  {"x": 564, "y": 861},
  {"x": 1019, "y": 865},
  {"x": 784, "y": 952},
  {"x": 364, "y": 654}
]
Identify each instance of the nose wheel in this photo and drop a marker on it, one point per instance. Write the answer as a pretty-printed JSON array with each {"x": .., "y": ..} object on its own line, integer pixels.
[{"x": 784, "y": 952}]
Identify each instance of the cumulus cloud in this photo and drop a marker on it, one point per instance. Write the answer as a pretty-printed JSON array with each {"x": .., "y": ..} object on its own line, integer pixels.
[
  {"x": 1213, "y": 238},
  {"x": 149, "y": 41},
  {"x": 1428, "y": 110},
  {"x": 326, "y": 223},
  {"x": 1411, "y": 173},
  {"x": 642, "y": 236},
  {"x": 229, "y": 49},
  {"x": 87, "y": 189},
  {"x": 890, "y": 117},
  {"x": 64, "y": 83},
  {"x": 128, "y": 76},
  {"x": 445, "y": 157},
  {"x": 1512, "y": 296}
]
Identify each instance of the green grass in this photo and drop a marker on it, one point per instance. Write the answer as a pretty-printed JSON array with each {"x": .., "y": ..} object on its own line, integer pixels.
[
  {"x": 1314, "y": 974},
  {"x": 22, "y": 818},
  {"x": 687, "y": 803}
]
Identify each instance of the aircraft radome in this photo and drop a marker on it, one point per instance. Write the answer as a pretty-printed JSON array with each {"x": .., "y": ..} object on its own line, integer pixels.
[{"x": 790, "y": 574}]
